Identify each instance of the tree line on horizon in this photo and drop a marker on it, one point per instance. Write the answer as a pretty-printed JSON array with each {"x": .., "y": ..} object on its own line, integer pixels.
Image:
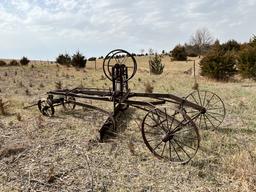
[
  {"x": 22, "y": 61},
  {"x": 220, "y": 61}
]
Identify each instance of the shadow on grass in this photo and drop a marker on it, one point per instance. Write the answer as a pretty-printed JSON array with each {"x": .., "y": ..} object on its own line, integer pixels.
[
  {"x": 122, "y": 120},
  {"x": 81, "y": 114},
  {"x": 98, "y": 119},
  {"x": 227, "y": 130}
]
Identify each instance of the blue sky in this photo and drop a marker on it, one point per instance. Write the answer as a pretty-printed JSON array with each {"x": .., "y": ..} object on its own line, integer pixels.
[{"x": 41, "y": 29}]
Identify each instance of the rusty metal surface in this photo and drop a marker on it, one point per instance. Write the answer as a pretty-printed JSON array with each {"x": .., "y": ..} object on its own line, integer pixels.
[{"x": 158, "y": 122}]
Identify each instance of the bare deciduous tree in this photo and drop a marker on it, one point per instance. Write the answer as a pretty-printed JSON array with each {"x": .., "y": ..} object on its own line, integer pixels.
[
  {"x": 202, "y": 39},
  {"x": 142, "y": 51},
  {"x": 151, "y": 51}
]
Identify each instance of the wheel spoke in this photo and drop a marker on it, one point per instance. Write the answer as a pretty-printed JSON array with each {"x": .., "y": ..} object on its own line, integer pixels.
[
  {"x": 153, "y": 118},
  {"x": 182, "y": 149},
  {"x": 214, "y": 113},
  {"x": 205, "y": 122},
  {"x": 214, "y": 108},
  {"x": 214, "y": 118},
  {"x": 176, "y": 151},
  {"x": 195, "y": 99},
  {"x": 216, "y": 103},
  {"x": 177, "y": 127},
  {"x": 148, "y": 125},
  {"x": 192, "y": 111},
  {"x": 195, "y": 117},
  {"x": 158, "y": 115},
  {"x": 170, "y": 150},
  {"x": 150, "y": 140},
  {"x": 163, "y": 149},
  {"x": 157, "y": 122},
  {"x": 200, "y": 121},
  {"x": 204, "y": 98},
  {"x": 182, "y": 131},
  {"x": 208, "y": 101},
  {"x": 166, "y": 118},
  {"x": 117, "y": 60},
  {"x": 160, "y": 123},
  {"x": 184, "y": 144},
  {"x": 210, "y": 121},
  {"x": 124, "y": 60},
  {"x": 170, "y": 128},
  {"x": 151, "y": 133},
  {"x": 199, "y": 97},
  {"x": 157, "y": 145}
]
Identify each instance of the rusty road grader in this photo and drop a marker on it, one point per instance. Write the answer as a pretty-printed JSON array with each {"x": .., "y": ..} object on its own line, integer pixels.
[{"x": 170, "y": 128}]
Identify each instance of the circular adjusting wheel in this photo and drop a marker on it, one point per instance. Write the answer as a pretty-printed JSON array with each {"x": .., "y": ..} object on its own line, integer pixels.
[
  {"x": 215, "y": 109},
  {"x": 170, "y": 135},
  {"x": 122, "y": 57}
]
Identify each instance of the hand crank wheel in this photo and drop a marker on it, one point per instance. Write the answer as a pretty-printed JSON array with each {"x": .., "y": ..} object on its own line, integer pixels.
[
  {"x": 122, "y": 57},
  {"x": 215, "y": 109},
  {"x": 173, "y": 137}
]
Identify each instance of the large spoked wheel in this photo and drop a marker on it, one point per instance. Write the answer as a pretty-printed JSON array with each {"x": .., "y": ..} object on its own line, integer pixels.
[
  {"x": 215, "y": 109},
  {"x": 69, "y": 104},
  {"x": 173, "y": 137},
  {"x": 122, "y": 57},
  {"x": 45, "y": 107}
]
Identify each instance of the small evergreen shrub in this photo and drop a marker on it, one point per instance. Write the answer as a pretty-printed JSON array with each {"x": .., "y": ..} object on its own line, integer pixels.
[
  {"x": 247, "y": 62},
  {"x": 179, "y": 53},
  {"x": 2, "y": 63},
  {"x": 63, "y": 59},
  {"x": 253, "y": 41},
  {"x": 14, "y": 63},
  {"x": 191, "y": 50},
  {"x": 218, "y": 64},
  {"x": 24, "y": 61},
  {"x": 192, "y": 54},
  {"x": 231, "y": 45},
  {"x": 78, "y": 60},
  {"x": 155, "y": 65},
  {"x": 92, "y": 59}
]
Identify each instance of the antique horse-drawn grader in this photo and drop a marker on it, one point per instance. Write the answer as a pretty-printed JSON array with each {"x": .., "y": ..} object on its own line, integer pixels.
[{"x": 170, "y": 127}]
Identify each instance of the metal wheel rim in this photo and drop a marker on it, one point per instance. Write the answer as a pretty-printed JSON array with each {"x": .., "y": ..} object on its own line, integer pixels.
[
  {"x": 215, "y": 111},
  {"x": 68, "y": 105},
  {"x": 45, "y": 108},
  {"x": 179, "y": 152},
  {"x": 106, "y": 64}
]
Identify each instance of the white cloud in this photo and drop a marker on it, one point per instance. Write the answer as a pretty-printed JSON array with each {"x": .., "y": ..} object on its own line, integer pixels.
[{"x": 42, "y": 29}]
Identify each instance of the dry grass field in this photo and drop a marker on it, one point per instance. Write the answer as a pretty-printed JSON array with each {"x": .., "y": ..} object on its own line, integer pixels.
[{"x": 39, "y": 153}]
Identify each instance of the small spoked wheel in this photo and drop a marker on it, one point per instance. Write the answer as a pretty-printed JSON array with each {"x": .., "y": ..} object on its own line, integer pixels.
[
  {"x": 170, "y": 135},
  {"x": 215, "y": 109},
  {"x": 45, "y": 107},
  {"x": 69, "y": 104},
  {"x": 122, "y": 57}
]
